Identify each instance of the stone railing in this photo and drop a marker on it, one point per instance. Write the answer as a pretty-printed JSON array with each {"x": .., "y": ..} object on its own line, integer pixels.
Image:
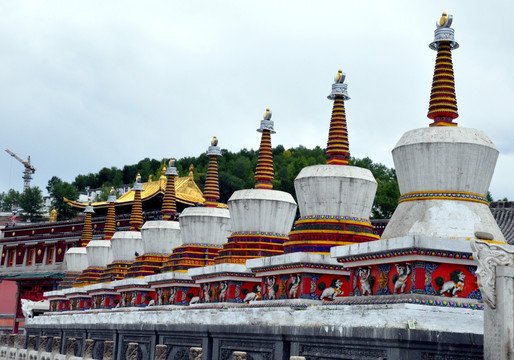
[{"x": 12, "y": 347}]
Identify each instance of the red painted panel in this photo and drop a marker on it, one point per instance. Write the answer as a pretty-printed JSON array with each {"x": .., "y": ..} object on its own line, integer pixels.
[
  {"x": 61, "y": 249},
  {"x": 8, "y": 291},
  {"x": 40, "y": 253},
  {"x": 4, "y": 255},
  {"x": 20, "y": 254}
]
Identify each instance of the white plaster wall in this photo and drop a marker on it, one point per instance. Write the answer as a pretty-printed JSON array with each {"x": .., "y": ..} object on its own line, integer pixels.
[
  {"x": 75, "y": 259},
  {"x": 262, "y": 210},
  {"x": 445, "y": 159},
  {"x": 335, "y": 190},
  {"x": 442, "y": 218},
  {"x": 160, "y": 236},
  {"x": 204, "y": 225},
  {"x": 99, "y": 253},
  {"x": 125, "y": 244}
]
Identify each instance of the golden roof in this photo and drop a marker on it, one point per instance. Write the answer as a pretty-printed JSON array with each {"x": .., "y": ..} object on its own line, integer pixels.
[{"x": 186, "y": 190}]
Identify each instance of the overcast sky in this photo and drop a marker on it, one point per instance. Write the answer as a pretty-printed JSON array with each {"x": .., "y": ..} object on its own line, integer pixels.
[{"x": 93, "y": 84}]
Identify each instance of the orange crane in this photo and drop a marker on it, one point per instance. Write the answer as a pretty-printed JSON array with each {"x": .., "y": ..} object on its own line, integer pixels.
[{"x": 27, "y": 173}]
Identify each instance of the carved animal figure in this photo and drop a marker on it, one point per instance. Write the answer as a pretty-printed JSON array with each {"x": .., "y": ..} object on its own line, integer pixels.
[
  {"x": 366, "y": 281},
  {"x": 331, "y": 292},
  {"x": 254, "y": 295},
  {"x": 399, "y": 280},
  {"x": 294, "y": 285},
  {"x": 28, "y": 307},
  {"x": 206, "y": 289},
  {"x": 272, "y": 287},
  {"x": 452, "y": 286},
  {"x": 222, "y": 297},
  {"x": 194, "y": 300}
]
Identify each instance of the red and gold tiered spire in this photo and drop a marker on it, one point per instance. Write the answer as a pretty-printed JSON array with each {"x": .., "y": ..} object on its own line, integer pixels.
[
  {"x": 264, "y": 171},
  {"x": 338, "y": 151},
  {"x": 110, "y": 221},
  {"x": 169, "y": 203},
  {"x": 87, "y": 232},
  {"x": 443, "y": 102},
  {"x": 211, "y": 192},
  {"x": 136, "y": 217}
]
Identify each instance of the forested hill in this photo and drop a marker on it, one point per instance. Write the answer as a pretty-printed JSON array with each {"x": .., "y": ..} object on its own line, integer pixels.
[{"x": 236, "y": 172}]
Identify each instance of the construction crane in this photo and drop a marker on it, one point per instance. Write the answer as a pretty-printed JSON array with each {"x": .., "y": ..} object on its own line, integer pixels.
[{"x": 27, "y": 173}]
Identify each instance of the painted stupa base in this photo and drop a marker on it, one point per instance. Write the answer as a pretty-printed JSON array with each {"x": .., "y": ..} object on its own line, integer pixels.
[
  {"x": 57, "y": 300},
  {"x": 190, "y": 256},
  {"x": 245, "y": 245},
  {"x": 226, "y": 283},
  {"x": 318, "y": 233},
  {"x": 102, "y": 295},
  {"x": 174, "y": 288},
  {"x": 69, "y": 279},
  {"x": 444, "y": 174},
  {"x": 147, "y": 264},
  {"x": 416, "y": 266},
  {"x": 134, "y": 292},
  {"x": 77, "y": 299},
  {"x": 115, "y": 271},
  {"x": 160, "y": 237},
  {"x": 305, "y": 276},
  {"x": 91, "y": 275},
  {"x": 462, "y": 219}
]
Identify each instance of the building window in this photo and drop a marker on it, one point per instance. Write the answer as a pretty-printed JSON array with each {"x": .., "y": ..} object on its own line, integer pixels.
[
  {"x": 30, "y": 256},
  {"x": 10, "y": 257},
  {"x": 50, "y": 255}
]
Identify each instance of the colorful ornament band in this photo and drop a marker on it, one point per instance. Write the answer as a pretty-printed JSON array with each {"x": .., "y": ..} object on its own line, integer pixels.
[
  {"x": 334, "y": 217},
  {"x": 212, "y": 190},
  {"x": 110, "y": 221},
  {"x": 87, "y": 232},
  {"x": 169, "y": 203},
  {"x": 264, "y": 171},
  {"x": 443, "y": 195},
  {"x": 136, "y": 217},
  {"x": 443, "y": 102},
  {"x": 337, "y": 148}
]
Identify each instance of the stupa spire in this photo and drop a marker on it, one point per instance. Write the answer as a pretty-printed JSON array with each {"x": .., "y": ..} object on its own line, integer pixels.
[
  {"x": 264, "y": 171},
  {"x": 110, "y": 226},
  {"x": 443, "y": 102},
  {"x": 338, "y": 151},
  {"x": 169, "y": 203},
  {"x": 136, "y": 217},
  {"x": 87, "y": 232},
  {"x": 211, "y": 192}
]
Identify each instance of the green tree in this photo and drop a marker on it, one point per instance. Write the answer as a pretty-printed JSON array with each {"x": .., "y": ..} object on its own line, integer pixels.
[
  {"x": 31, "y": 201},
  {"x": 59, "y": 190},
  {"x": 10, "y": 200}
]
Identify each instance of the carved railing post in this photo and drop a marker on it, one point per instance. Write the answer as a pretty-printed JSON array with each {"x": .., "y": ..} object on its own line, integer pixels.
[
  {"x": 43, "y": 341},
  {"x": 195, "y": 353},
  {"x": 239, "y": 355},
  {"x": 70, "y": 346},
  {"x": 31, "y": 342},
  {"x": 132, "y": 350},
  {"x": 108, "y": 350},
  {"x": 495, "y": 275},
  {"x": 56, "y": 345},
  {"x": 88, "y": 349},
  {"x": 160, "y": 352}
]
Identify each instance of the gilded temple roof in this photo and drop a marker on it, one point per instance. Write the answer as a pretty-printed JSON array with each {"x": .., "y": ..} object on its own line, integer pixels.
[{"x": 187, "y": 192}]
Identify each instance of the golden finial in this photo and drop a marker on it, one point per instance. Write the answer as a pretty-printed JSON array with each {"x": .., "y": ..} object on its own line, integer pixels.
[
  {"x": 112, "y": 191},
  {"x": 138, "y": 178},
  {"x": 89, "y": 201},
  {"x": 340, "y": 77},
  {"x": 163, "y": 170},
  {"x": 214, "y": 141},
  {"x": 191, "y": 168},
  {"x": 150, "y": 177},
  {"x": 171, "y": 162},
  {"x": 267, "y": 114},
  {"x": 444, "y": 19}
]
